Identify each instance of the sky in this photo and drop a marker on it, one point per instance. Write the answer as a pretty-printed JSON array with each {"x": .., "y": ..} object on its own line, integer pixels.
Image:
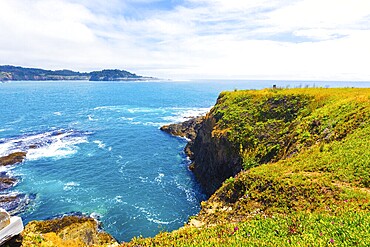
[{"x": 192, "y": 39}]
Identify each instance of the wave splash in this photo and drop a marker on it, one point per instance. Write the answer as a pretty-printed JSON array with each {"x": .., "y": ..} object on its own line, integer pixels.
[
  {"x": 55, "y": 144},
  {"x": 149, "y": 116}
]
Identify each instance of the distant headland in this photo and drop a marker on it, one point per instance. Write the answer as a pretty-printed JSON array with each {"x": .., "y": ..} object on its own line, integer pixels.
[{"x": 16, "y": 73}]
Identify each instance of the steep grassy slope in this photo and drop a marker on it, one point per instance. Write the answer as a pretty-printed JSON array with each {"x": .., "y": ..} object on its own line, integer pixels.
[{"x": 301, "y": 160}]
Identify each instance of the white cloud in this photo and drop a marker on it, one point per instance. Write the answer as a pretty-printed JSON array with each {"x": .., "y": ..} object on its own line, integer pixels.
[
  {"x": 320, "y": 14},
  {"x": 301, "y": 39}
]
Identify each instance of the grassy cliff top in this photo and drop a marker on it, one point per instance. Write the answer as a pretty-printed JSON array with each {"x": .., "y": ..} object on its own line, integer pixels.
[{"x": 306, "y": 172}]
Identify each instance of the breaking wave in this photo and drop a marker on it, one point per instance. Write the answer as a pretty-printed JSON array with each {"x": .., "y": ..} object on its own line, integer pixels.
[{"x": 54, "y": 144}]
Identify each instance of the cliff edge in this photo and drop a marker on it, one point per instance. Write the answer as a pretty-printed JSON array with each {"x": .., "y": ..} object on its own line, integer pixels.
[{"x": 287, "y": 167}]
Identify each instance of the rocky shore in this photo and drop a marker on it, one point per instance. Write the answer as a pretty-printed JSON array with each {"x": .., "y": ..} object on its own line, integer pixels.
[
  {"x": 213, "y": 159},
  {"x": 11, "y": 201},
  {"x": 68, "y": 231},
  {"x": 187, "y": 129}
]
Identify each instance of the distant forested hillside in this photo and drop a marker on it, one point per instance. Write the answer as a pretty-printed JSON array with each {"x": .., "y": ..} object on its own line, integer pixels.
[{"x": 13, "y": 73}]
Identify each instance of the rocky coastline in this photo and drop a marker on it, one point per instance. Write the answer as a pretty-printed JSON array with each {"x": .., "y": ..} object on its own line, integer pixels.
[
  {"x": 300, "y": 161},
  {"x": 67, "y": 230},
  {"x": 64, "y": 231},
  {"x": 213, "y": 159},
  {"x": 10, "y": 201}
]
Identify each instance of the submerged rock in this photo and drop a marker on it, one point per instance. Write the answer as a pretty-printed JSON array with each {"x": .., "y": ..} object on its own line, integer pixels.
[
  {"x": 15, "y": 203},
  {"x": 12, "y": 159},
  {"x": 66, "y": 231},
  {"x": 7, "y": 182}
]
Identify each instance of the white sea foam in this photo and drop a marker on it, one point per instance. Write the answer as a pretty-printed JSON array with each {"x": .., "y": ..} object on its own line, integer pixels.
[
  {"x": 153, "y": 124},
  {"x": 160, "y": 222},
  {"x": 131, "y": 110},
  {"x": 57, "y": 113},
  {"x": 17, "y": 120},
  {"x": 58, "y": 149},
  {"x": 96, "y": 215},
  {"x": 127, "y": 118},
  {"x": 53, "y": 144},
  {"x": 118, "y": 199},
  {"x": 144, "y": 110},
  {"x": 70, "y": 185},
  {"x": 152, "y": 217},
  {"x": 183, "y": 114},
  {"x": 136, "y": 123},
  {"x": 99, "y": 143},
  {"x": 158, "y": 179},
  {"x": 4, "y": 148},
  {"x": 105, "y": 108},
  {"x": 143, "y": 179},
  {"x": 190, "y": 194},
  {"x": 6, "y": 168}
]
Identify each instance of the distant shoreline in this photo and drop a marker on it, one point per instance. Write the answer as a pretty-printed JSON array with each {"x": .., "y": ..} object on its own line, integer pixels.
[{"x": 17, "y": 73}]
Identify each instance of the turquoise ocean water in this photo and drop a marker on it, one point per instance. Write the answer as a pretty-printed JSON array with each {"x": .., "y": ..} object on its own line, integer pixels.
[{"x": 96, "y": 148}]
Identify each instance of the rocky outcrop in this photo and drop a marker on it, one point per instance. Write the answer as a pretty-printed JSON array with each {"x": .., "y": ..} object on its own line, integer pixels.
[
  {"x": 213, "y": 159},
  {"x": 12, "y": 202},
  {"x": 187, "y": 129},
  {"x": 6, "y": 182},
  {"x": 15, "y": 202},
  {"x": 12, "y": 159},
  {"x": 65, "y": 231}
]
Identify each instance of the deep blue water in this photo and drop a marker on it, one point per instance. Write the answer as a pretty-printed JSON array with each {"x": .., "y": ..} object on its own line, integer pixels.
[{"x": 96, "y": 148}]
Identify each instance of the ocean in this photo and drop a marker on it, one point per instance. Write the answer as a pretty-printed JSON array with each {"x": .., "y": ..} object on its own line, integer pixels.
[{"x": 96, "y": 148}]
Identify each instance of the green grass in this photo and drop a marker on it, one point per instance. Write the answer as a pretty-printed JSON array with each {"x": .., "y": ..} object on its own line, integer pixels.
[
  {"x": 269, "y": 125},
  {"x": 306, "y": 177},
  {"x": 349, "y": 229}
]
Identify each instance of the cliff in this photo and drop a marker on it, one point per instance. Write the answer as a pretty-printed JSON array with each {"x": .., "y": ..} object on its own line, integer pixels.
[
  {"x": 13, "y": 73},
  {"x": 287, "y": 167}
]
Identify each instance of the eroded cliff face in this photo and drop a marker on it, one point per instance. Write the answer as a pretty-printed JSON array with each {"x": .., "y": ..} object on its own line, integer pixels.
[
  {"x": 248, "y": 128},
  {"x": 214, "y": 158}
]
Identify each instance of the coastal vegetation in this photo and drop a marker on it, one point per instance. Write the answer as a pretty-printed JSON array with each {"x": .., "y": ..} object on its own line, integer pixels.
[
  {"x": 282, "y": 167},
  {"x": 13, "y": 73},
  {"x": 303, "y": 176}
]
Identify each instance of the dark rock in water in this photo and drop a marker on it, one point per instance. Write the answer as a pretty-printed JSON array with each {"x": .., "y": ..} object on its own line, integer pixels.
[
  {"x": 14, "y": 203},
  {"x": 59, "y": 216},
  {"x": 33, "y": 146},
  {"x": 66, "y": 231},
  {"x": 12, "y": 159},
  {"x": 7, "y": 182},
  {"x": 186, "y": 129}
]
